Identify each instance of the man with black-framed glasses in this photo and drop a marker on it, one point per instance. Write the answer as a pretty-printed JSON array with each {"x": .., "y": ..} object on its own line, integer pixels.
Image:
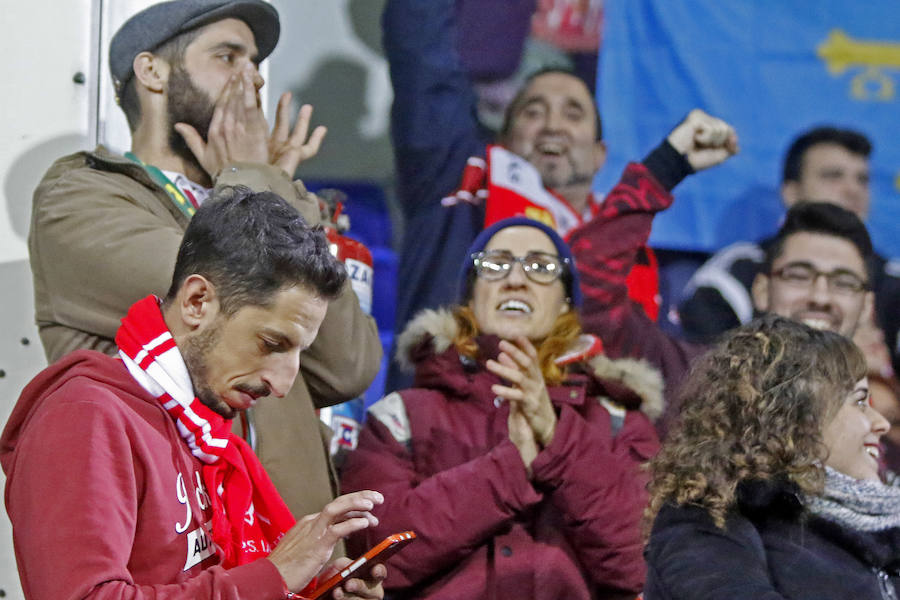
[{"x": 817, "y": 238}]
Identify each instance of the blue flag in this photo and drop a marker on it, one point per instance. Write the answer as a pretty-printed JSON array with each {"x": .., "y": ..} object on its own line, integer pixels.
[{"x": 770, "y": 68}]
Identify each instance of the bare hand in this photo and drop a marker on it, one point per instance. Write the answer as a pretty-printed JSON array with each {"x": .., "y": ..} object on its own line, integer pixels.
[
  {"x": 522, "y": 436},
  {"x": 870, "y": 339},
  {"x": 704, "y": 140},
  {"x": 369, "y": 588},
  {"x": 288, "y": 149},
  {"x": 238, "y": 131},
  {"x": 518, "y": 364},
  {"x": 305, "y": 549}
]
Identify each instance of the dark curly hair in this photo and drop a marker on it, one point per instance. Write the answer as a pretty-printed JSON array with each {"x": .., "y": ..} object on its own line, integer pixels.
[
  {"x": 754, "y": 407},
  {"x": 251, "y": 245},
  {"x": 850, "y": 140},
  {"x": 822, "y": 218}
]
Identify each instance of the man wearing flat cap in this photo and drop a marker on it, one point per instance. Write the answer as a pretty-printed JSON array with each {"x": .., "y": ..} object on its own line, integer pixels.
[{"x": 106, "y": 228}]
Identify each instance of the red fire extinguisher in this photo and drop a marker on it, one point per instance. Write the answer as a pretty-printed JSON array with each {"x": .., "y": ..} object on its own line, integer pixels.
[
  {"x": 346, "y": 419},
  {"x": 356, "y": 257}
]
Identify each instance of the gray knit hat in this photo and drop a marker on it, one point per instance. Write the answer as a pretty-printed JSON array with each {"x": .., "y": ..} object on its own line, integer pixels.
[{"x": 153, "y": 26}]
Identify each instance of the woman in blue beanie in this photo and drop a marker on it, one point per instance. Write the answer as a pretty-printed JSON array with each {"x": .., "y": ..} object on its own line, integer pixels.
[{"x": 516, "y": 456}]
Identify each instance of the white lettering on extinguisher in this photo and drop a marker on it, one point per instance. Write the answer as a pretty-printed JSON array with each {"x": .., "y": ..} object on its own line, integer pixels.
[{"x": 361, "y": 281}]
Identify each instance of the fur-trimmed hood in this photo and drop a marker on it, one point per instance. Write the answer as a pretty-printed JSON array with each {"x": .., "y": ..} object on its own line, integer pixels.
[{"x": 430, "y": 334}]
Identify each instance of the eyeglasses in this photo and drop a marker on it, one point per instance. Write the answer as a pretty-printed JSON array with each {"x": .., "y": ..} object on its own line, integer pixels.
[
  {"x": 840, "y": 281},
  {"x": 539, "y": 267}
]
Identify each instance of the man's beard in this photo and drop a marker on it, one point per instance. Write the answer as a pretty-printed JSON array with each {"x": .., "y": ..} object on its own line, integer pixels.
[
  {"x": 552, "y": 180},
  {"x": 195, "y": 351},
  {"x": 190, "y": 105}
]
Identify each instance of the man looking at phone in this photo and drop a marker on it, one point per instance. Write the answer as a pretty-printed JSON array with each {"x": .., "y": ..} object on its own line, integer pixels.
[
  {"x": 127, "y": 464},
  {"x": 106, "y": 228}
]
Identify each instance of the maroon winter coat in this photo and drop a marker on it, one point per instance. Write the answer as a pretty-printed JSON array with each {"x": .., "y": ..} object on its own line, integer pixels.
[{"x": 441, "y": 455}]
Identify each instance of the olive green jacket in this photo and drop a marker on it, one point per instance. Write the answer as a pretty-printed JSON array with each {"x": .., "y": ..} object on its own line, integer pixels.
[{"x": 103, "y": 236}]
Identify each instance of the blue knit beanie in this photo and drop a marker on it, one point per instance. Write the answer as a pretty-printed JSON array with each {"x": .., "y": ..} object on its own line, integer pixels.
[{"x": 570, "y": 273}]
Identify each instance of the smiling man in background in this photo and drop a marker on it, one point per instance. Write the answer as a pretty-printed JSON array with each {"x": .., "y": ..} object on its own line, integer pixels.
[
  {"x": 823, "y": 164},
  {"x": 815, "y": 271},
  {"x": 446, "y": 164}
]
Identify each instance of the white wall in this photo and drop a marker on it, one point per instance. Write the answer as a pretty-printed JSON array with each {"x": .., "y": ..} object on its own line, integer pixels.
[
  {"x": 330, "y": 56},
  {"x": 45, "y": 114}
]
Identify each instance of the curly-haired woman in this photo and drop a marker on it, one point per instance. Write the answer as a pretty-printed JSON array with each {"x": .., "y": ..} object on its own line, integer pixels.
[
  {"x": 515, "y": 458},
  {"x": 768, "y": 487}
]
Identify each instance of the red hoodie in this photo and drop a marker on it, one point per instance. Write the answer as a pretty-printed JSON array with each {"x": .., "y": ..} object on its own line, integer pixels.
[{"x": 105, "y": 497}]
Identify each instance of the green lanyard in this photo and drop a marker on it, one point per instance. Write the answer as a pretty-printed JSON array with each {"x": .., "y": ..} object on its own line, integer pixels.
[{"x": 160, "y": 179}]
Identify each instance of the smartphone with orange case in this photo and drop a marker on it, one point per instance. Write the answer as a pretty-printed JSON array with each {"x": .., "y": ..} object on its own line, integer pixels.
[{"x": 362, "y": 565}]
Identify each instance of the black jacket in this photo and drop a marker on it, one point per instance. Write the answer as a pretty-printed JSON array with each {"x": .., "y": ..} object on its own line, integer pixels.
[
  {"x": 771, "y": 548},
  {"x": 717, "y": 297}
]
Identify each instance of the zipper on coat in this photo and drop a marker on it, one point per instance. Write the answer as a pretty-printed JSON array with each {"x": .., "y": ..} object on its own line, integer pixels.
[{"x": 884, "y": 584}]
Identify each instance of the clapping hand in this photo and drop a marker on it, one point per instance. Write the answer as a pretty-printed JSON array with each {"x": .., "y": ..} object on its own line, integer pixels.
[{"x": 527, "y": 394}]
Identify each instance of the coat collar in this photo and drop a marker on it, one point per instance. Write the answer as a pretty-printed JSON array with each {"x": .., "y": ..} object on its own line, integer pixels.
[
  {"x": 426, "y": 347},
  {"x": 104, "y": 160}
]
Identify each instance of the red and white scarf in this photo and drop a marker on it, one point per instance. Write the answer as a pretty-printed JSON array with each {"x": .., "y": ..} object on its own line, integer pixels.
[
  {"x": 246, "y": 506},
  {"x": 510, "y": 186}
]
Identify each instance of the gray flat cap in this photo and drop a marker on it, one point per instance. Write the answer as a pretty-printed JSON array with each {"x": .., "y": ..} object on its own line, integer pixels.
[{"x": 153, "y": 26}]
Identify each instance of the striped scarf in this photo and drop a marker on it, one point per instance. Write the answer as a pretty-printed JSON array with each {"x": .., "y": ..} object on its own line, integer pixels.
[{"x": 249, "y": 516}]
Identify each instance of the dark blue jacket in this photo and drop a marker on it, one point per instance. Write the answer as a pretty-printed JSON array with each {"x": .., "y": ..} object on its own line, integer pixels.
[
  {"x": 434, "y": 131},
  {"x": 770, "y": 549},
  {"x": 717, "y": 297}
]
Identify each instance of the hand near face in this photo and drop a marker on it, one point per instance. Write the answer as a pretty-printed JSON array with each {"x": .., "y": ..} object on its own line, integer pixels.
[
  {"x": 704, "y": 140},
  {"x": 238, "y": 131},
  {"x": 287, "y": 149},
  {"x": 870, "y": 339},
  {"x": 305, "y": 549},
  {"x": 526, "y": 392},
  {"x": 369, "y": 588}
]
